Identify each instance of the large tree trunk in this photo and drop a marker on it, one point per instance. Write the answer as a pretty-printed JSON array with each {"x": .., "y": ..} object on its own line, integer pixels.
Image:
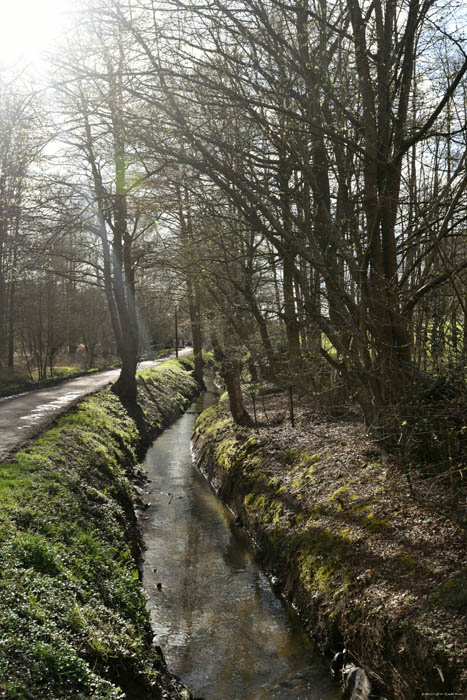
[
  {"x": 230, "y": 371},
  {"x": 118, "y": 264},
  {"x": 123, "y": 273},
  {"x": 290, "y": 314},
  {"x": 125, "y": 386},
  {"x": 383, "y": 138},
  {"x": 264, "y": 334}
]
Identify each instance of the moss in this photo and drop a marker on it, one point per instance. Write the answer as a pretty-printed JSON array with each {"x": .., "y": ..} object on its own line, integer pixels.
[
  {"x": 225, "y": 453},
  {"x": 305, "y": 477},
  {"x": 303, "y": 466},
  {"x": 317, "y": 555},
  {"x": 338, "y": 493},
  {"x": 362, "y": 509},
  {"x": 262, "y": 508},
  {"x": 210, "y": 423},
  {"x": 290, "y": 457},
  {"x": 306, "y": 461},
  {"x": 256, "y": 461},
  {"x": 374, "y": 524},
  {"x": 368, "y": 519},
  {"x": 452, "y": 594},
  {"x": 407, "y": 562}
]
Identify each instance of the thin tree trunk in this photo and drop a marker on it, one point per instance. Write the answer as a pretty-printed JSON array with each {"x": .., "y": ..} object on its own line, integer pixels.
[
  {"x": 290, "y": 315},
  {"x": 195, "y": 319}
]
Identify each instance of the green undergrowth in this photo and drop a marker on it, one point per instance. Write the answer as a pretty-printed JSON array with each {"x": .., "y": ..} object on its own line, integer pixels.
[{"x": 73, "y": 618}]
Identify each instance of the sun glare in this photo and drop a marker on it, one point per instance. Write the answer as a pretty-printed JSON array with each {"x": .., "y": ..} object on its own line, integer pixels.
[{"x": 30, "y": 27}]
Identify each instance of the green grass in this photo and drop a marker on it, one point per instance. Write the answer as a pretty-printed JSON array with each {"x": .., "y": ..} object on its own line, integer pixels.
[
  {"x": 20, "y": 380},
  {"x": 73, "y": 618}
]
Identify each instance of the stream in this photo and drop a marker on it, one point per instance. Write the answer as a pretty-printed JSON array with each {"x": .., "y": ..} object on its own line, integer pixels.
[{"x": 222, "y": 629}]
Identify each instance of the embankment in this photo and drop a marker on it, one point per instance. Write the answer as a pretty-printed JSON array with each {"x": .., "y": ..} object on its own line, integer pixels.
[
  {"x": 366, "y": 566},
  {"x": 73, "y": 619}
]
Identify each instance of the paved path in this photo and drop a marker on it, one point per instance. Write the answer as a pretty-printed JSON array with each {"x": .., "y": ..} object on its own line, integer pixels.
[{"x": 24, "y": 416}]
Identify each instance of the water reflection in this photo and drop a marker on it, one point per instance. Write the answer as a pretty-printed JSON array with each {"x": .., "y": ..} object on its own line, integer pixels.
[{"x": 222, "y": 629}]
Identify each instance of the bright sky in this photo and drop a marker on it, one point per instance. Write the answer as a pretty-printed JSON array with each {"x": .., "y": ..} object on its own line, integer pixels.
[{"x": 29, "y": 27}]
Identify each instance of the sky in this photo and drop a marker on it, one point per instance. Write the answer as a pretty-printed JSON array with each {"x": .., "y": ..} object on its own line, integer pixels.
[{"x": 29, "y": 27}]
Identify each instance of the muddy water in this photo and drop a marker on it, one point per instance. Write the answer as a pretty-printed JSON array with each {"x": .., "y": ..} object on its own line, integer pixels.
[{"x": 222, "y": 629}]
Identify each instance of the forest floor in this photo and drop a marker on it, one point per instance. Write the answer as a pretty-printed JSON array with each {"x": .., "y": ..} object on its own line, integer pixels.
[{"x": 378, "y": 570}]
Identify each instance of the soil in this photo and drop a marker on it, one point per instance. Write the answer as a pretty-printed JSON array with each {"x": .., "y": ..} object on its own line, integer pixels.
[{"x": 368, "y": 565}]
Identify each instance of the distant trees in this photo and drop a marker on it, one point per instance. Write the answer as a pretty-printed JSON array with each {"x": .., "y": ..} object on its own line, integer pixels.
[{"x": 20, "y": 145}]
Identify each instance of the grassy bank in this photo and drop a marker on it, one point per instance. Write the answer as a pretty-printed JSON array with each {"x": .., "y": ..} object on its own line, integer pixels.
[
  {"x": 73, "y": 621},
  {"x": 366, "y": 565}
]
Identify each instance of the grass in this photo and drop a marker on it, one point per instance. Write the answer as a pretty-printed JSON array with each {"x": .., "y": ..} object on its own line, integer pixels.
[
  {"x": 19, "y": 380},
  {"x": 73, "y": 618}
]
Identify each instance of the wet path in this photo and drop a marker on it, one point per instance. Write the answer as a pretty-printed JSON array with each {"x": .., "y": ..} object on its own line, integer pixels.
[
  {"x": 24, "y": 416},
  {"x": 222, "y": 629}
]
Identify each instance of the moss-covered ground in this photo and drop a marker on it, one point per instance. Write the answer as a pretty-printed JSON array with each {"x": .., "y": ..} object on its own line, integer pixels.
[
  {"x": 366, "y": 565},
  {"x": 73, "y": 618}
]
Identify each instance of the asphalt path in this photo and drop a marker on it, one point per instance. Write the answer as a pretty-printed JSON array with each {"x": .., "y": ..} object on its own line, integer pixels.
[{"x": 24, "y": 416}]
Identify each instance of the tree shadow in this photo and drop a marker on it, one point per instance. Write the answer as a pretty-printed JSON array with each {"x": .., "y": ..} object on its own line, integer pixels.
[{"x": 404, "y": 570}]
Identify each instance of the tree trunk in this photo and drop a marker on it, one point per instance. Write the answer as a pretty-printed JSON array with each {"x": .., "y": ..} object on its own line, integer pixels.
[
  {"x": 230, "y": 371},
  {"x": 123, "y": 274},
  {"x": 290, "y": 315},
  {"x": 2, "y": 284},
  {"x": 195, "y": 319},
  {"x": 11, "y": 326},
  {"x": 264, "y": 334},
  {"x": 125, "y": 386}
]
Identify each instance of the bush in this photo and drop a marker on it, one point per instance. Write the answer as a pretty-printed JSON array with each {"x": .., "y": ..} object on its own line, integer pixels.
[{"x": 433, "y": 432}]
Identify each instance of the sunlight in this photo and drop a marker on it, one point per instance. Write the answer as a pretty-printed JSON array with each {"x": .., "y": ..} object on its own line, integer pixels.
[{"x": 29, "y": 27}]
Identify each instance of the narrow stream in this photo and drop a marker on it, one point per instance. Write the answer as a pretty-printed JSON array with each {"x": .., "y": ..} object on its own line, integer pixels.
[{"x": 222, "y": 629}]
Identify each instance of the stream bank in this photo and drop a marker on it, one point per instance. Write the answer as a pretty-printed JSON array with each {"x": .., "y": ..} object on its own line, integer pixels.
[
  {"x": 366, "y": 566},
  {"x": 223, "y": 630},
  {"x": 73, "y": 617}
]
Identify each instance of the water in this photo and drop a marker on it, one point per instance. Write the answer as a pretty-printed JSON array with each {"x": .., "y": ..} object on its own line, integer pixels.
[{"x": 222, "y": 629}]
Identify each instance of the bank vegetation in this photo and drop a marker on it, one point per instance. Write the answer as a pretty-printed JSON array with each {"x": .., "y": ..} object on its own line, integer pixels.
[{"x": 73, "y": 617}]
